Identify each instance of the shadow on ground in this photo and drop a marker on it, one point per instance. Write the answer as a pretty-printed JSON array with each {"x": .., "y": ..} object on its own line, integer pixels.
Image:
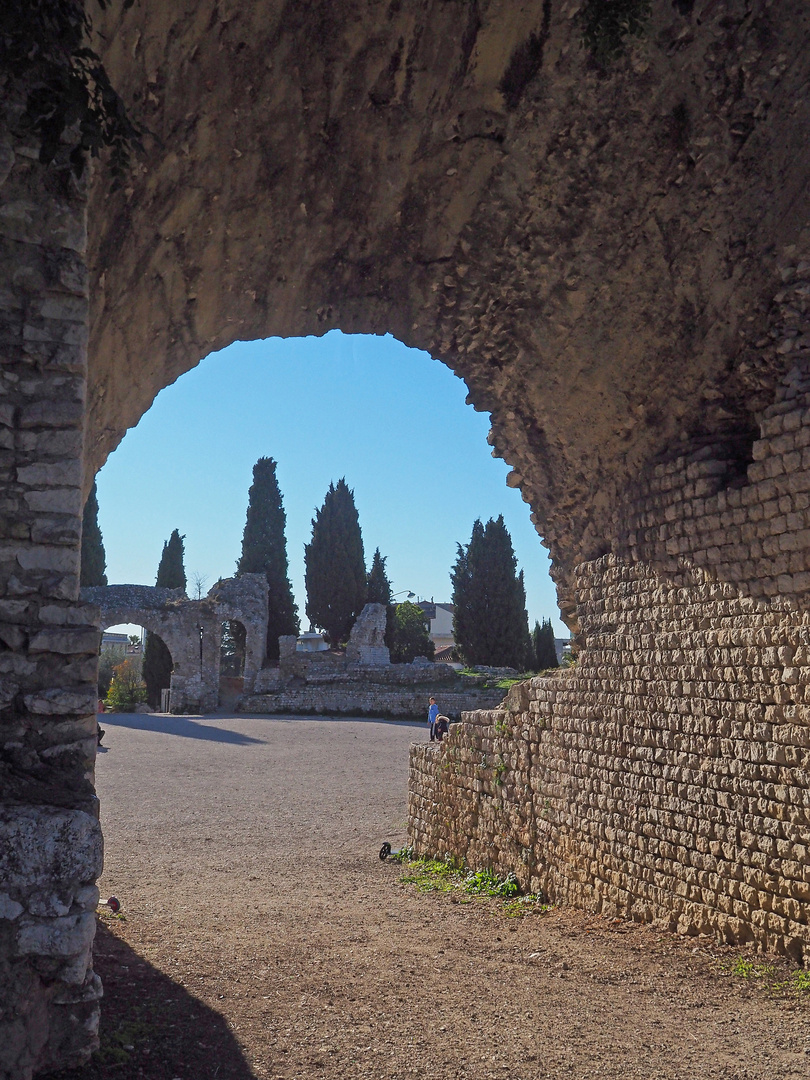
[
  {"x": 152, "y": 1028},
  {"x": 176, "y": 725}
]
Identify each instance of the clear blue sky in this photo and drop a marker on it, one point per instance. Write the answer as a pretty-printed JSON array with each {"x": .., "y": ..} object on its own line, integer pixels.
[{"x": 390, "y": 419}]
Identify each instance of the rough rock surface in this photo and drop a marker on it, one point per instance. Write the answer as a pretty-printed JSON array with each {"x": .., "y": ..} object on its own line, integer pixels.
[
  {"x": 594, "y": 252},
  {"x": 367, "y": 640}
]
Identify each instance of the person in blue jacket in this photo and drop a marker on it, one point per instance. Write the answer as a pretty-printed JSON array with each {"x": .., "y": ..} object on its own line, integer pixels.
[{"x": 433, "y": 712}]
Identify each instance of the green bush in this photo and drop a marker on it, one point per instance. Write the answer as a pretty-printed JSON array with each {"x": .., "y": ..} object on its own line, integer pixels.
[{"x": 127, "y": 689}]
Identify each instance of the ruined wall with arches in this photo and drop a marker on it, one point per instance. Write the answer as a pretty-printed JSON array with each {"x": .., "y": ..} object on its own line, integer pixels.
[
  {"x": 192, "y": 630},
  {"x": 605, "y": 256}
]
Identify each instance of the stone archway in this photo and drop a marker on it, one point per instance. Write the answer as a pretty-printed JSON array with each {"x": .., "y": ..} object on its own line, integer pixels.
[
  {"x": 191, "y": 630},
  {"x": 616, "y": 263}
]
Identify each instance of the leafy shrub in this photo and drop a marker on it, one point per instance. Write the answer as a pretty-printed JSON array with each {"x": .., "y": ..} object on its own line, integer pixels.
[{"x": 127, "y": 689}]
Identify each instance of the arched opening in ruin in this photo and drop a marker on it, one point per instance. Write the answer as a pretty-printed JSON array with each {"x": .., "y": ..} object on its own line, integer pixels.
[
  {"x": 601, "y": 255},
  {"x": 390, "y": 419},
  {"x": 152, "y": 649},
  {"x": 232, "y": 654}
]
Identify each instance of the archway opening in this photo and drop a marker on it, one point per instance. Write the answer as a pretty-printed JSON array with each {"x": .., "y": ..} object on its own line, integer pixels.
[
  {"x": 391, "y": 419},
  {"x": 232, "y": 650}
]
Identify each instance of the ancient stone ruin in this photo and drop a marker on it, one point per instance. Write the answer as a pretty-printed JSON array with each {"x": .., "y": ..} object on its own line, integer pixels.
[
  {"x": 363, "y": 681},
  {"x": 192, "y": 630},
  {"x": 616, "y": 260}
]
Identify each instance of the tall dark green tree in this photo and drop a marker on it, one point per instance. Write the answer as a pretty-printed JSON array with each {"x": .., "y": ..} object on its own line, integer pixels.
[
  {"x": 157, "y": 660},
  {"x": 335, "y": 565},
  {"x": 490, "y": 622},
  {"x": 378, "y": 591},
  {"x": 93, "y": 557},
  {"x": 378, "y": 587},
  {"x": 545, "y": 651},
  {"x": 264, "y": 551}
]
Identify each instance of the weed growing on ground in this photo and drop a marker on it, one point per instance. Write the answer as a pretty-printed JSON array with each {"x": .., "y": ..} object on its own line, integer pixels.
[
  {"x": 525, "y": 905},
  {"x": 487, "y": 883},
  {"x": 431, "y": 875},
  {"x": 750, "y": 969},
  {"x": 448, "y": 875},
  {"x": 797, "y": 982}
]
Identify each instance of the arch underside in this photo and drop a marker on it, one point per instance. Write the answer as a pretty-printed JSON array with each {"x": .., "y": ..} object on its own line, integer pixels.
[
  {"x": 595, "y": 254},
  {"x": 618, "y": 264}
]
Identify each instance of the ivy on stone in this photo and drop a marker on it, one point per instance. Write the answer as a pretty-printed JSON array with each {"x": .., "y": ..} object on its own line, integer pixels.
[
  {"x": 157, "y": 660},
  {"x": 264, "y": 551},
  {"x": 490, "y": 624},
  {"x": 606, "y": 24},
  {"x": 335, "y": 573},
  {"x": 93, "y": 556}
]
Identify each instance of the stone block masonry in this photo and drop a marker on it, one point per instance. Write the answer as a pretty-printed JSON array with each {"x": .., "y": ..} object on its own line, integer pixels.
[
  {"x": 364, "y": 698},
  {"x": 667, "y": 776},
  {"x": 50, "y": 841}
]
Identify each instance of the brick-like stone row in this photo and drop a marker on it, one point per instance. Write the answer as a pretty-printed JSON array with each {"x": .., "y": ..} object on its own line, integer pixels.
[
  {"x": 668, "y": 775},
  {"x": 353, "y": 698},
  {"x": 50, "y": 841}
]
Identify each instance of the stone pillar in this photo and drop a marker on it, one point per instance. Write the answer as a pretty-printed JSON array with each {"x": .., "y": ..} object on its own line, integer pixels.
[{"x": 50, "y": 840}]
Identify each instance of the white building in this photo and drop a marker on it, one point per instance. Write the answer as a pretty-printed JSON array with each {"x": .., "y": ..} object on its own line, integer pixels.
[{"x": 440, "y": 618}]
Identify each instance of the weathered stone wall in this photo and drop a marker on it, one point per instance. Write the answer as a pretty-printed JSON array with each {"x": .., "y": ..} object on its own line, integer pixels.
[
  {"x": 668, "y": 775},
  {"x": 593, "y": 251},
  {"x": 362, "y": 697},
  {"x": 50, "y": 841}
]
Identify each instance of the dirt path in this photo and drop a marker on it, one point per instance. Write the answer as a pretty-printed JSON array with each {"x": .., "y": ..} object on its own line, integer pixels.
[{"x": 264, "y": 938}]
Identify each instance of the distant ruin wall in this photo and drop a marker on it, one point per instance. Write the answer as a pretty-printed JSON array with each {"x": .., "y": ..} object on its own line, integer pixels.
[
  {"x": 667, "y": 776},
  {"x": 366, "y": 699}
]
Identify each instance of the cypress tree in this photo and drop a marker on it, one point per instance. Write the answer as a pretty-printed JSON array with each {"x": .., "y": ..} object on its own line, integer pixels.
[
  {"x": 93, "y": 557},
  {"x": 335, "y": 565},
  {"x": 378, "y": 587},
  {"x": 545, "y": 651},
  {"x": 264, "y": 551},
  {"x": 490, "y": 622},
  {"x": 378, "y": 591},
  {"x": 157, "y": 660}
]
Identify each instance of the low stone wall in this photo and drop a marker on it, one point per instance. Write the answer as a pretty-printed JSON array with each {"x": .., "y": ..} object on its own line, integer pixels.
[{"x": 363, "y": 699}]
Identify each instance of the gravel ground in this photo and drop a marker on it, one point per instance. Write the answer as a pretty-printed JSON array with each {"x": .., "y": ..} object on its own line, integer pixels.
[{"x": 262, "y": 937}]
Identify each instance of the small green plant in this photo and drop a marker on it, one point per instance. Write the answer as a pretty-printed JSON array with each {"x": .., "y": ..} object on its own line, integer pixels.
[
  {"x": 404, "y": 855},
  {"x": 431, "y": 875},
  {"x": 487, "y": 883},
  {"x": 531, "y": 904},
  {"x": 800, "y": 982},
  {"x": 448, "y": 875},
  {"x": 500, "y": 769},
  {"x": 508, "y": 681},
  {"x": 750, "y": 969}
]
